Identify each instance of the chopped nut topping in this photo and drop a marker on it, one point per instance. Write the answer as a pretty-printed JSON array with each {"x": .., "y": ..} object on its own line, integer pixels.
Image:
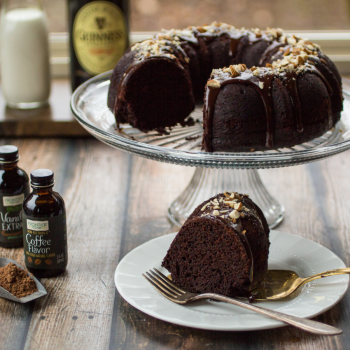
[
  {"x": 234, "y": 214},
  {"x": 154, "y": 47},
  {"x": 300, "y": 60},
  {"x": 256, "y": 31},
  {"x": 238, "y": 206},
  {"x": 295, "y": 54},
  {"x": 205, "y": 206},
  {"x": 216, "y": 213},
  {"x": 287, "y": 52},
  {"x": 261, "y": 85},
  {"x": 233, "y": 71},
  {"x": 240, "y": 67},
  {"x": 214, "y": 83},
  {"x": 291, "y": 41},
  {"x": 256, "y": 72},
  {"x": 272, "y": 32}
]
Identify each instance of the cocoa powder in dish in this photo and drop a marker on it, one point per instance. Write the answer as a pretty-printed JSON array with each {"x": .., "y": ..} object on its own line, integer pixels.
[{"x": 16, "y": 281}]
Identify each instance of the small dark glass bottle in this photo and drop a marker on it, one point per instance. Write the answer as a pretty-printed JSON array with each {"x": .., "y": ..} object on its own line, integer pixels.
[
  {"x": 98, "y": 36},
  {"x": 14, "y": 187},
  {"x": 44, "y": 227}
]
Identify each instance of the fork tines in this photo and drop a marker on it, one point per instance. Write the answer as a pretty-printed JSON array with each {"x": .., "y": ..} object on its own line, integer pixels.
[{"x": 163, "y": 284}]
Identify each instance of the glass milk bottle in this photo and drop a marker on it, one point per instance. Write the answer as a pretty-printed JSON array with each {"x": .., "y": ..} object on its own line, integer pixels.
[{"x": 24, "y": 51}]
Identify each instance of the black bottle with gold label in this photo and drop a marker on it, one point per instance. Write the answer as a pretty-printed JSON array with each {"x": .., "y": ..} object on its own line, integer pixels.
[
  {"x": 99, "y": 35},
  {"x": 44, "y": 227}
]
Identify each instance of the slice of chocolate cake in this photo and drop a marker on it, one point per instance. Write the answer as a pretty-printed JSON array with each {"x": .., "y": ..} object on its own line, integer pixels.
[
  {"x": 151, "y": 87},
  {"x": 222, "y": 247}
]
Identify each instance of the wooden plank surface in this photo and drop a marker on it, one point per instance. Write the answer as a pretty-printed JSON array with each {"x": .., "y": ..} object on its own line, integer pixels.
[{"x": 116, "y": 202}]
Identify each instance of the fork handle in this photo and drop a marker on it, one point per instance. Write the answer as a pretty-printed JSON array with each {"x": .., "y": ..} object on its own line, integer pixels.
[{"x": 302, "y": 323}]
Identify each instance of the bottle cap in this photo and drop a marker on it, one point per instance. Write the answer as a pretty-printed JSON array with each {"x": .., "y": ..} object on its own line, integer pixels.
[
  {"x": 8, "y": 154},
  {"x": 41, "y": 178}
]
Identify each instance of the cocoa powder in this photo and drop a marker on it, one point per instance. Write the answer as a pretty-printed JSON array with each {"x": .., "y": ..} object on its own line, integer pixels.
[{"x": 16, "y": 281}]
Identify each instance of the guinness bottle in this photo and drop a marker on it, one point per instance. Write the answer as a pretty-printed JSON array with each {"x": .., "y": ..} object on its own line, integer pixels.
[{"x": 99, "y": 35}]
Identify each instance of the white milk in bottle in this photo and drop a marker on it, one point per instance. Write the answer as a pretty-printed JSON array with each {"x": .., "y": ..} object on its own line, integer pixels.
[{"x": 25, "y": 67}]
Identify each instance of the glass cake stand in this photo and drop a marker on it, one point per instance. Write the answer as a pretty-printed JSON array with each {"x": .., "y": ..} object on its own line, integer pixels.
[{"x": 216, "y": 172}]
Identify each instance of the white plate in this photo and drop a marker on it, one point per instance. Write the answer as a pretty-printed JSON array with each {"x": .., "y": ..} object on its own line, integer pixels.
[{"x": 287, "y": 252}]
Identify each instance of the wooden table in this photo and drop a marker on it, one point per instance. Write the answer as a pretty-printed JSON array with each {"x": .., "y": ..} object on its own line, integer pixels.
[{"x": 116, "y": 202}]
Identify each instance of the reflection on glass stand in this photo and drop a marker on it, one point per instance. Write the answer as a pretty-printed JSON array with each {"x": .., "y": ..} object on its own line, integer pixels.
[
  {"x": 206, "y": 183},
  {"x": 216, "y": 172}
]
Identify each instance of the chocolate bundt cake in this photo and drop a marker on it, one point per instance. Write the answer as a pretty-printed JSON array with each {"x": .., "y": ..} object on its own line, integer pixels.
[
  {"x": 222, "y": 247},
  {"x": 266, "y": 90}
]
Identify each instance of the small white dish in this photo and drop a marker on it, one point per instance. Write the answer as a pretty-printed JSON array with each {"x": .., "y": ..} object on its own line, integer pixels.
[{"x": 287, "y": 252}]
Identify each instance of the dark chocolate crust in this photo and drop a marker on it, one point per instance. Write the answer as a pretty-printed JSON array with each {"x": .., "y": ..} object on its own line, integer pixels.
[{"x": 219, "y": 253}]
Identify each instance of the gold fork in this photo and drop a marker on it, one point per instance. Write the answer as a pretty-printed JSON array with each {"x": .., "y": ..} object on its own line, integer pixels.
[{"x": 176, "y": 294}]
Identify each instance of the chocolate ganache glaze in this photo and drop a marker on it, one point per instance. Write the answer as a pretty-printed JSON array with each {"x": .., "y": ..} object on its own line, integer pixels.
[{"x": 295, "y": 62}]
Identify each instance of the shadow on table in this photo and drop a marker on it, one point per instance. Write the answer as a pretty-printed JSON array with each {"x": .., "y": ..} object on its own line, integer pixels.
[{"x": 135, "y": 329}]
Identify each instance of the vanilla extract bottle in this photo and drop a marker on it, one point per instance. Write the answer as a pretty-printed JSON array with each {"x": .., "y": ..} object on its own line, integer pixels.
[
  {"x": 44, "y": 227},
  {"x": 14, "y": 187},
  {"x": 99, "y": 35}
]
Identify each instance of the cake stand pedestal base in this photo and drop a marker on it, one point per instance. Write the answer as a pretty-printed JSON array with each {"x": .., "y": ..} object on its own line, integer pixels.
[{"x": 207, "y": 183}]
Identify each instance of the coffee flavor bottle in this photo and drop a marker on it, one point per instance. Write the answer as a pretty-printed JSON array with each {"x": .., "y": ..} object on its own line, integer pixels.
[{"x": 44, "y": 227}]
